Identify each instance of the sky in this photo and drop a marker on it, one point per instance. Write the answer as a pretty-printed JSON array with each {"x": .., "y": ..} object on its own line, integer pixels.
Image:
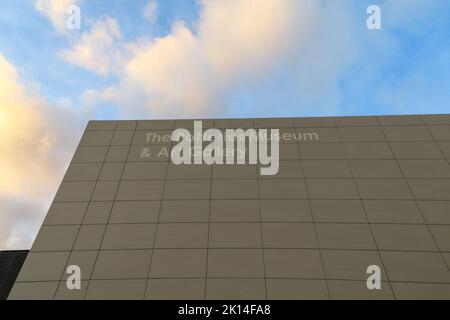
[{"x": 152, "y": 59}]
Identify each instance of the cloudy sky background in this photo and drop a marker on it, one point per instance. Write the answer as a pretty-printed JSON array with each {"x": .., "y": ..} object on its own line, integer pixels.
[{"x": 199, "y": 58}]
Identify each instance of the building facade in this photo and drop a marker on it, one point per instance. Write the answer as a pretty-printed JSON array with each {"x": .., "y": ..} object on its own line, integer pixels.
[
  {"x": 359, "y": 209},
  {"x": 10, "y": 264}
]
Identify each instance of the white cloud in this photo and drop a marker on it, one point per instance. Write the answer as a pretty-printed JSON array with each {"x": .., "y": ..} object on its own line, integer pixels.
[
  {"x": 100, "y": 49},
  {"x": 151, "y": 11},
  {"x": 55, "y": 11},
  {"x": 236, "y": 44},
  {"x": 36, "y": 141}
]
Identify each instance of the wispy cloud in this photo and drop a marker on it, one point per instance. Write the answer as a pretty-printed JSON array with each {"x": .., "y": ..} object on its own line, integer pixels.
[
  {"x": 99, "y": 50},
  {"x": 151, "y": 11},
  {"x": 55, "y": 11}
]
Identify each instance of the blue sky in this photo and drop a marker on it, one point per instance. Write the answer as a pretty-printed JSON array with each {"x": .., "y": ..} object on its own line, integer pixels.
[{"x": 200, "y": 58}]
